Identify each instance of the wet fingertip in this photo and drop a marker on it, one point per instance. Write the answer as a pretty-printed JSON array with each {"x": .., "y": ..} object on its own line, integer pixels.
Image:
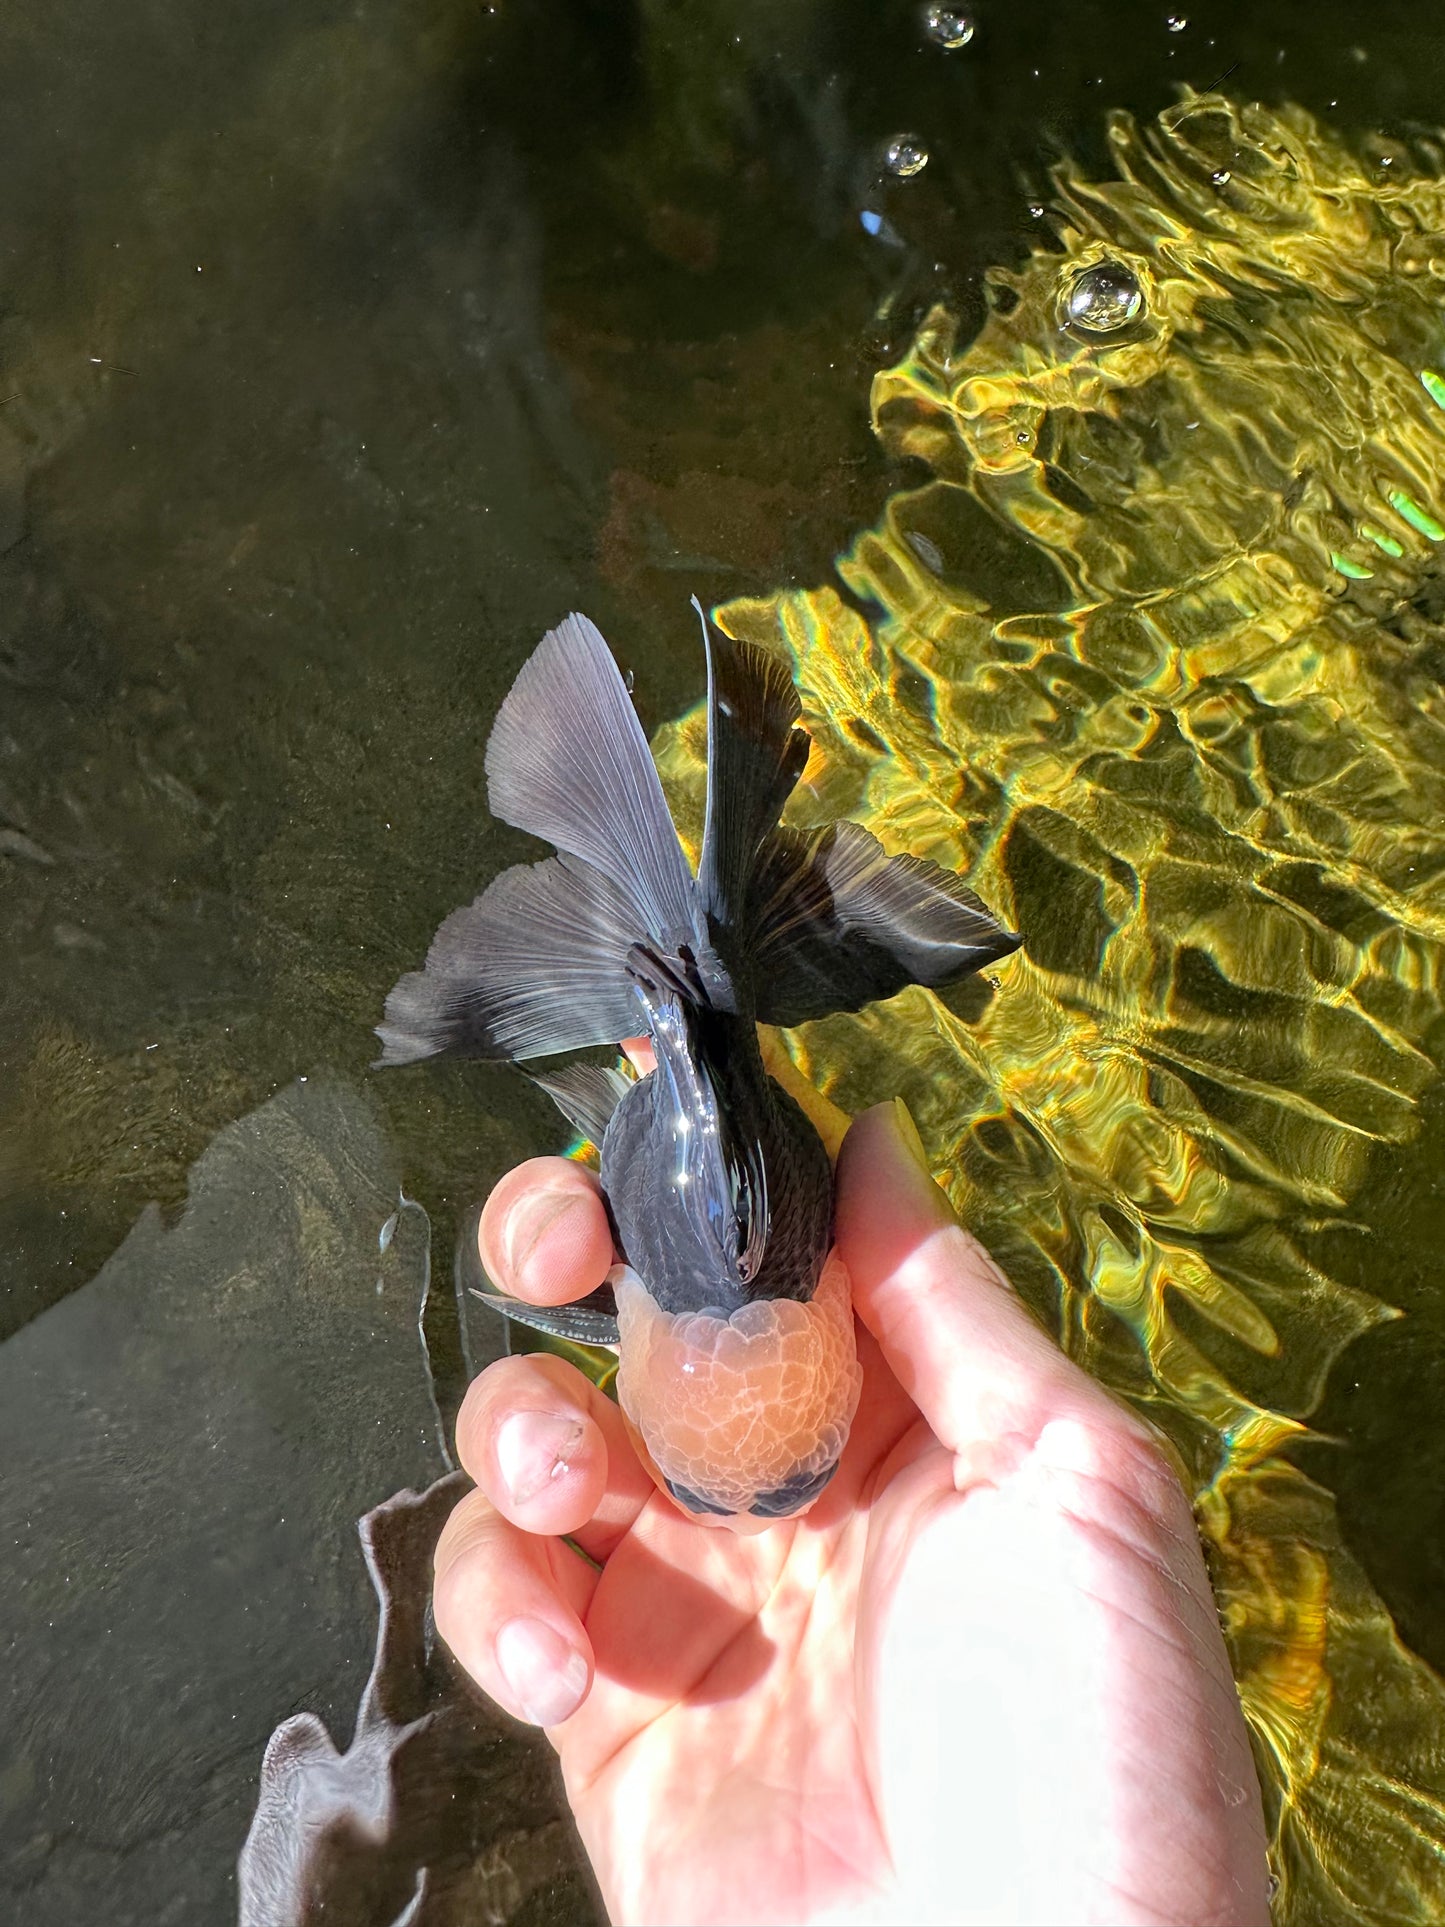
[
  {"x": 883, "y": 1152},
  {"x": 537, "y": 1662},
  {"x": 569, "y": 1254},
  {"x": 640, "y": 1054},
  {"x": 518, "y": 1216},
  {"x": 549, "y": 1466},
  {"x": 908, "y": 1136},
  {"x": 544, "y": 1675},
  {"x": 527, "y": 1223}
]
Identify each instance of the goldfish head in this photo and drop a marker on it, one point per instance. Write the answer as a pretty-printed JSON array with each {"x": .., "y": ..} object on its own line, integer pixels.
[{"x": 742, "y": 1418}]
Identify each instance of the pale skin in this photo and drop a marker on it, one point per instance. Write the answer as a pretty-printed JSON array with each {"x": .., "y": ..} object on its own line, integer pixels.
[{"x": 981, "y": 1681}]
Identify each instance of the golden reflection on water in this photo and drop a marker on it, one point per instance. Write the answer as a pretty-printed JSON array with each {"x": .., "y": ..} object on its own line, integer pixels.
[{"x": 1155, "y": 657}]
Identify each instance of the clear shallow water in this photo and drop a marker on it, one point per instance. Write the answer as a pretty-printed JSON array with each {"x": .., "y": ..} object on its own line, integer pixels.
[{"x": 344, "y": 350}]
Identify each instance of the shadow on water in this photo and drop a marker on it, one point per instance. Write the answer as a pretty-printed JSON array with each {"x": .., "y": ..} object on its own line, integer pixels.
[{"x": 342, "y": 350}]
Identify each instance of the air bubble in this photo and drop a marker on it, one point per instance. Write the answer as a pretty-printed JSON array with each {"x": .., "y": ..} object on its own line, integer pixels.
[
  {"x": 1220, "y": 177},
  {"x": 1036, "y": 210},
  {"x": 948, "y": 28},
  {"x": 1103, "y": 299},
  {"x": 927, "y": 552},
  {"x": 905, "y": 156},
  {"x": 1176, "y": 23}
]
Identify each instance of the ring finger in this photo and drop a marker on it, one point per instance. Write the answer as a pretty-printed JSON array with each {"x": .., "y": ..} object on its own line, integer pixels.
[{"x": 510, "y": 1606}]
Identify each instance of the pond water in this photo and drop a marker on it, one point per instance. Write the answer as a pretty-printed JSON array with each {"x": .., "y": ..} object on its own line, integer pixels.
[{"x": 343, "y": 349}]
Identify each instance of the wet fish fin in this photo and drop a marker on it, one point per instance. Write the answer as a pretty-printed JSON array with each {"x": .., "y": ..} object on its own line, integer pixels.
[
  {"x": 755, "y": 755},
  {"x": 537, "y": 964},
  {"x": 586, "y": 1095},
  {"x": 840, "y": 923},
  {"x": 567, "y": 760},
  {"x": 590, "y": 1321}
]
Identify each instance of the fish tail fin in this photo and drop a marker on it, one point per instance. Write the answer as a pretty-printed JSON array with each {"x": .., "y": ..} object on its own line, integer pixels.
[
  {"x": 567, "y": 760},
  {"x": 538, "y": 964},
  {"x": 755, "y": 755},
  {"x": 838, "y": 923},
  {"x": 828, "y": 921}
]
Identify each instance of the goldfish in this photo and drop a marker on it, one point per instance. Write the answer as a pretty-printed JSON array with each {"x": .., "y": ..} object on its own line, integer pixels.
[{"x": 732, "y": 1314}]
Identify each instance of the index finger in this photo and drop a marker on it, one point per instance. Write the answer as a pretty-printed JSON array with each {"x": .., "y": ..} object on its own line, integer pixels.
[
  {"x": 980, "y": 1368},
  {"x": 544, "y": 1234}
]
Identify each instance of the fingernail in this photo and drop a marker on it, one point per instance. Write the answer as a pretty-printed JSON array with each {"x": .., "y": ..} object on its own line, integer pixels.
[
  {"x": 908, "y": 1133},
  {"x": 529, "y": 1217},
  {"x": 545, "y": 1675},
  {"x": 887, "y": 1138},
  {"x": 533, "y": 1449}
]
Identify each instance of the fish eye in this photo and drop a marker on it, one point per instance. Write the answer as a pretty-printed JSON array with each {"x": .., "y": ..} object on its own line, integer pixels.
[{"x": 1102, "y": 299}]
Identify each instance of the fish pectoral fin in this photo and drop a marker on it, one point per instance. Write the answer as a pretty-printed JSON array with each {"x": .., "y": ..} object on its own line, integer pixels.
[
  {"x": 584, "y": 1323},
  {"x": 839, "y": 923},
  {"x": 586, "y": 1095}
]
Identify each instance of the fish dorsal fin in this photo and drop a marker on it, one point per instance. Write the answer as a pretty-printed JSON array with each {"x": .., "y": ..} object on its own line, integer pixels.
[
  {"x": 568, "y": 761},
  {"x": 838, "y": 923},
  {"x": 755, "y": 755}
]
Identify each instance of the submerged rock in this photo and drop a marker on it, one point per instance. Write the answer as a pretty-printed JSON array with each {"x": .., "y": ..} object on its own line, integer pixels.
[{"x": 186, "y": 1441}]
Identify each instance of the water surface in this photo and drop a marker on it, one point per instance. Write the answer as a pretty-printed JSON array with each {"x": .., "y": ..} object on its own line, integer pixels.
[{"x": 342, "y": 349}]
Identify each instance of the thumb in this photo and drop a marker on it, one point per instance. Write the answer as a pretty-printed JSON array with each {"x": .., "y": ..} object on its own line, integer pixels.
[{"x": 971, "y": 1356}]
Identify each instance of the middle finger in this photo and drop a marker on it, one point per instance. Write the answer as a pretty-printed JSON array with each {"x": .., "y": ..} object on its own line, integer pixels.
[
  {"x": 552, "y": 1453},
  {"x": 544, "y": 1234}
]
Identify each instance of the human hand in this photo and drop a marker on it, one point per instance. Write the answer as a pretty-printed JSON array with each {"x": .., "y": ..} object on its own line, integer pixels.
[{"x": 981, "y": 1680}]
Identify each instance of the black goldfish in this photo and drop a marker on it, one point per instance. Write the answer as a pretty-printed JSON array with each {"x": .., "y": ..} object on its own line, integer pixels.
[{"x": 737, "y": 1360}]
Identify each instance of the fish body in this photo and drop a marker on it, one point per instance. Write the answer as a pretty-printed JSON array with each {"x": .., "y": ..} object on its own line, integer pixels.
[
  {"x": 737, "y": 1367},
  {"x": 742, "y": 1203}
]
